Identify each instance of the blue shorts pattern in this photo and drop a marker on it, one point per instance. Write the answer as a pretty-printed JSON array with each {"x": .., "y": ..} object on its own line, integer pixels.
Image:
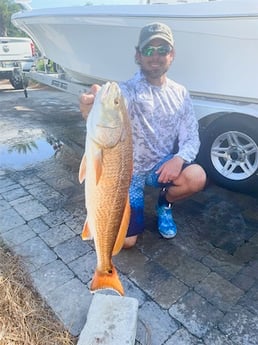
[{"x": 136, "y": 194}]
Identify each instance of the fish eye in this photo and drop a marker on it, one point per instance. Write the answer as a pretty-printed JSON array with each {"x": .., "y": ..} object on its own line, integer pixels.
[{"x": 116, "y": 101}]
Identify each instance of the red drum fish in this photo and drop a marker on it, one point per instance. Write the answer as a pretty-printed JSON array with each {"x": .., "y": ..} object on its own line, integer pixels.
[{"x": 106, "y": 168}]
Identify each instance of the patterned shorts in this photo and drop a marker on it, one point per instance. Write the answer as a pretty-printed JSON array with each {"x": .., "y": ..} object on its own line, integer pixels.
[{"x": 136, "y": 193}]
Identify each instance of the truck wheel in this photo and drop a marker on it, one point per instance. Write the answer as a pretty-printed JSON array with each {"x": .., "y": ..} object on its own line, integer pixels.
[
  {"x": 229, "y": 152},
  {"x": 17, "y": 80}
]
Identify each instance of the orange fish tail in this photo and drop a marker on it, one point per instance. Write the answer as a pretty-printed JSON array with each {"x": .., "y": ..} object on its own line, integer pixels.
[{"x": 101, "y": 281}]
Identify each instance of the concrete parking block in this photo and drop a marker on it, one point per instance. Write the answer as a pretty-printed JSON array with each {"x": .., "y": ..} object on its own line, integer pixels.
[{"x": 111, "y": 320}]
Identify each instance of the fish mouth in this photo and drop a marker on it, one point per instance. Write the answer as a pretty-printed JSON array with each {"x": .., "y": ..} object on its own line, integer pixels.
[{"x": 109, "y": 88}]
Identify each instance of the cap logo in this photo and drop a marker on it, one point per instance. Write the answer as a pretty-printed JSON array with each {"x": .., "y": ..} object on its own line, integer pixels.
[{"x": 154, "y": 28}]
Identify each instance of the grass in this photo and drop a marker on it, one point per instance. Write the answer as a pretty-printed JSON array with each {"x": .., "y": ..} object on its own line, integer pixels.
[{"x": 25, "y": 319}]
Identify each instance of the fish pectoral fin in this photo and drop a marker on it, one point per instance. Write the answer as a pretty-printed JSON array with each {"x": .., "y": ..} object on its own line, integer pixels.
[
  {"x": 82, "y": 170},
  {"x": 123, "y": 228},
  {"x": 86, "y": 234},
  {"x": 98, "y": 165},
  {"x": 109, "y": 280}
]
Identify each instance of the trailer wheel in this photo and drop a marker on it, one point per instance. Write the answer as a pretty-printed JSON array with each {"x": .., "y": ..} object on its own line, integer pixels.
[
  {"x": 17, "y": 80},
  {"x": 229, "y": 152}
]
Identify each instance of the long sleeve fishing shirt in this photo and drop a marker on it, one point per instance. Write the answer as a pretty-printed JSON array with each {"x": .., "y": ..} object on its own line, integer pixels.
[{"x": 163, "y": 121}]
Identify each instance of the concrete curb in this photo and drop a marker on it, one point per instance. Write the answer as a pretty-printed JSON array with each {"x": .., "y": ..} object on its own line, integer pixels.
[{"x": 111, "y": 320}]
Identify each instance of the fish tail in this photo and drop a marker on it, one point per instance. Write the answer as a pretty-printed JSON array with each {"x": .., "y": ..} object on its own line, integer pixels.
[{"x": 101, "y": 281}]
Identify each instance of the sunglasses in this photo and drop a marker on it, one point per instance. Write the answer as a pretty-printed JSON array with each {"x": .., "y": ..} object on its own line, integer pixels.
[{"x": 161, "y": 50}]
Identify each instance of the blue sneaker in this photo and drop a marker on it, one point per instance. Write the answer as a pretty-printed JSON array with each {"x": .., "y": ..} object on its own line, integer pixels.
[{"x": 166, "y": 224}]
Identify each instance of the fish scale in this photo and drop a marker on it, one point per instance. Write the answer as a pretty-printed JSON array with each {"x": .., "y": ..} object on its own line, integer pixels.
[
  {"x": 107, "y": 169},
  {"x": 111, "y": 191}
]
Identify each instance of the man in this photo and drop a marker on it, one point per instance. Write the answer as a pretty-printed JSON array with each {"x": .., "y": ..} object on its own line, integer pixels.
[{"x": 165, "y": 132}]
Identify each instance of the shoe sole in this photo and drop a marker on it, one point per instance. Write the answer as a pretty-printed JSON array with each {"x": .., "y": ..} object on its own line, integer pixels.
[{"x": 167, "y": 236}]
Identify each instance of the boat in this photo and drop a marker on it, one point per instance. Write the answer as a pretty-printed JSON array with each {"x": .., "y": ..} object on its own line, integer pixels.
[
  {"x": 216, "y": 54},
  {"x": 216, "y": 42}
]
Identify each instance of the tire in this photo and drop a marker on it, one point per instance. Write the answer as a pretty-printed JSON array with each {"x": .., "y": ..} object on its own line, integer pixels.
[
  {"x": 17, "y": 80},
  {"x": 229, "y": 152}
]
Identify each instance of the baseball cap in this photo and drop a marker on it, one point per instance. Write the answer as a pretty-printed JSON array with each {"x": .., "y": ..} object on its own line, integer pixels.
[{"x": 155, "y": 30}]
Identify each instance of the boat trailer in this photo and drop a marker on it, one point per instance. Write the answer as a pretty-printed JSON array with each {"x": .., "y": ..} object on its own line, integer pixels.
[{"x": 58, "y": 81}]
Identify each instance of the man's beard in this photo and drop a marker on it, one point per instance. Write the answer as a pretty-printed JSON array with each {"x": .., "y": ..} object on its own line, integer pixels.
[{"x": 156, "y": 73}]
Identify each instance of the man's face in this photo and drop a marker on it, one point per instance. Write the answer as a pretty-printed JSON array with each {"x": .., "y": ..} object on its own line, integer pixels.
[{"x": 155, "y": 63}]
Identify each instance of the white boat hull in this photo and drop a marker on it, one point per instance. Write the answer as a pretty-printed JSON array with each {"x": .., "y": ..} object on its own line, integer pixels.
[{"x": 216, "y": 42}]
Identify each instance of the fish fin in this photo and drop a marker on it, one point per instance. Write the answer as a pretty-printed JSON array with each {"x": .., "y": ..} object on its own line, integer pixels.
[
  {"x": 98, "y": 165},
  {"x": 101, "y": 281},
  {"x": 82, "y": 170},
  {"x": 123, "y": 228},
  {"x": 86, "y": 234}
]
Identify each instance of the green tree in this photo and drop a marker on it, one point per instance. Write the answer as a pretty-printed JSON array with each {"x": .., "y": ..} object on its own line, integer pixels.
[{"x": 7, "y": 8}]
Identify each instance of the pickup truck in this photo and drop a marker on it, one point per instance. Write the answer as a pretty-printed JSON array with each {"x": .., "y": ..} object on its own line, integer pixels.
[{"x": 17, "y": 55}]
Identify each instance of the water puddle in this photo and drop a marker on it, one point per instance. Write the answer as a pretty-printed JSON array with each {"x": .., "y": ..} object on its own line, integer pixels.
[{"x": 27, "y": 148}]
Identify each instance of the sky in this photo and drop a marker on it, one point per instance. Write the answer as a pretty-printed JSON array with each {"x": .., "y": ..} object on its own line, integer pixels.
[{"x": 64, "y": 3}]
